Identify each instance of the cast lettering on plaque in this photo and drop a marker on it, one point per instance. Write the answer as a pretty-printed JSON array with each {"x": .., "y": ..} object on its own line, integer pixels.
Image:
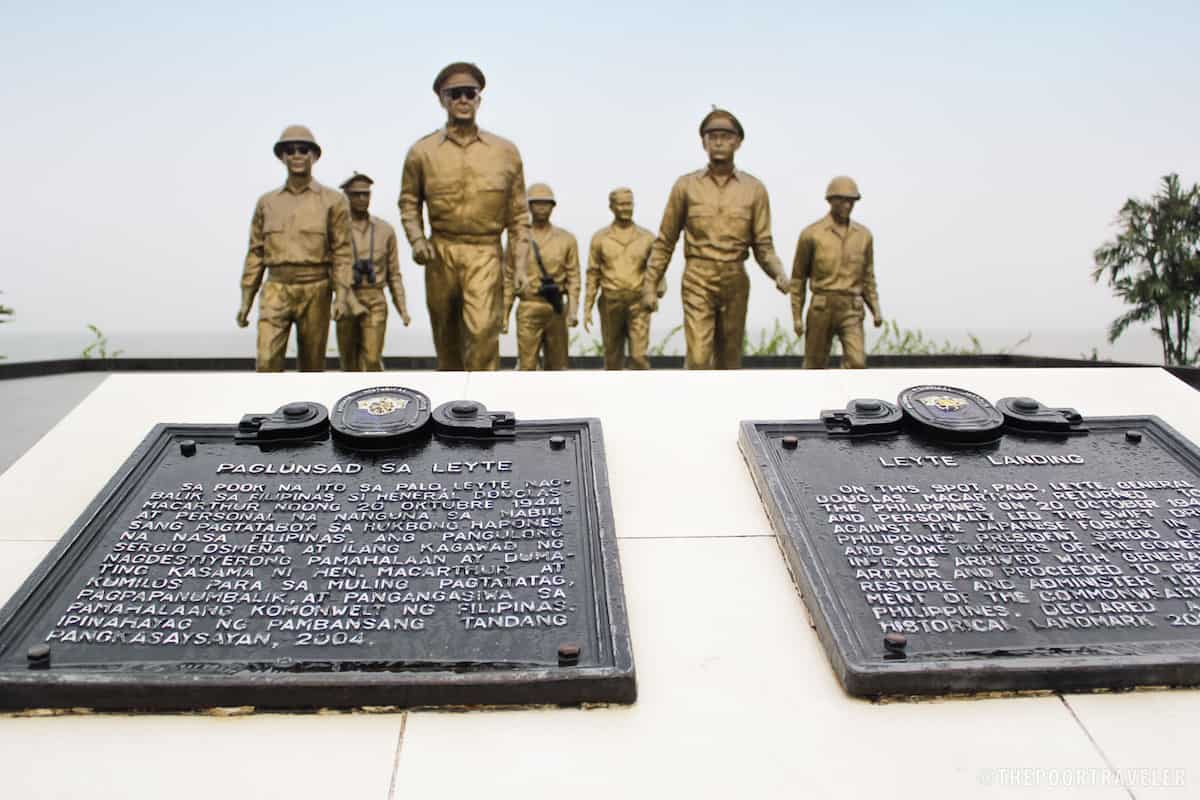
[
  {"x": 934, "y": 556},
  {"x": 268, "y": 555}
]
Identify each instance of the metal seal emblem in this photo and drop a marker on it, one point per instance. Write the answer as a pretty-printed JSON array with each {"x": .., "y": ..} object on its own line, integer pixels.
[
  {"x": 381, "y": 417},
  {"x": 950, "y": 414},
  {"x": 944, "y": 402},
  {"x": 382, "y": 406}
]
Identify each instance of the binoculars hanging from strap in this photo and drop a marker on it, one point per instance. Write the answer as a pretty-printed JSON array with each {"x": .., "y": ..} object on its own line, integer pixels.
[
  {"x": 364, "y": 268},
  {"x": 364, "y": 272}
]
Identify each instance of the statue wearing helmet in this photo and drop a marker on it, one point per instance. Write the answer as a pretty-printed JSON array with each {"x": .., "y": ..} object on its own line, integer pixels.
[
  {"x": 300, "y": 238},
  {"x": 836, "y": 259},
  {"x": 550, "y": 298}
]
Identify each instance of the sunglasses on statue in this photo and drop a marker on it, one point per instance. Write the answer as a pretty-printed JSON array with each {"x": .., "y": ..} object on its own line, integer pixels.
[{"x": 458, "y": 92}]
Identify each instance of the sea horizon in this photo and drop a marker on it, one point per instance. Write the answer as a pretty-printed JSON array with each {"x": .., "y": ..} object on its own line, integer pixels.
[{"x": 21, "y": 345}]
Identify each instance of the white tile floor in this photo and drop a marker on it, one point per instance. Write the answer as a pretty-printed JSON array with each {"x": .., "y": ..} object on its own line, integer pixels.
[
  {"x": 1151, "y": 734},
  {"x": 267, "y": 756},
  {"x": 736, "y": 697},
  {"x": 736, "y": 700}
]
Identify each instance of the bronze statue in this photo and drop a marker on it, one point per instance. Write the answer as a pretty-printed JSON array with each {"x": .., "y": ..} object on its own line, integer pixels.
[
  {"x": 376, "y": 265},
  {"x": 472, "y": 184},
  {"x": 544, "y": 312},
  {"x": 300, "y": 235},
  {"x": 837, "y": 257},
  {"x": 617, "y": 267},
  {"x": 726, "y": 214}
]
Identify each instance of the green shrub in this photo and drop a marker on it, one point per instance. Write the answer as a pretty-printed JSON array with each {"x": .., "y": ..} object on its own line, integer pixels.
[{"x": 99, "y": 348}]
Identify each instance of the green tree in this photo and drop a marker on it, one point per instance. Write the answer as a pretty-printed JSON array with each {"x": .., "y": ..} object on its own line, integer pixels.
[{"x": 1154, "y": 266}]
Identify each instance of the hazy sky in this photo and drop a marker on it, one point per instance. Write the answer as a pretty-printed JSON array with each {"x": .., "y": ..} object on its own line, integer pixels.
[{"x": 993, "y": 146}]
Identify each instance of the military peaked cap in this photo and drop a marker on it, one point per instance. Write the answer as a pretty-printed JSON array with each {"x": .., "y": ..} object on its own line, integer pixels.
[
  {"x": 721, "y": 120},
  {"x": 458, "y": 68}
]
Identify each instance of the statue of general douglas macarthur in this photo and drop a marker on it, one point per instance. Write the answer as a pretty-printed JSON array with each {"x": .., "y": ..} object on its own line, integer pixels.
[{"x": 472, "y": 184}]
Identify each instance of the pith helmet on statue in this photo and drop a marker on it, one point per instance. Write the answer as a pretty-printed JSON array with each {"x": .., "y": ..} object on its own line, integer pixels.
[
  {"x": 296, "y": 134},
  {"x": 540, "y": 192},
  {"x": 843, "y": 186}
]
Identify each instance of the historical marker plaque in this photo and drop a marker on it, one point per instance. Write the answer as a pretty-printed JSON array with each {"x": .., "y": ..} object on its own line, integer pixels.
[
  {"x": 382, "y": 553},
  {"x": 946, "y": 545}
]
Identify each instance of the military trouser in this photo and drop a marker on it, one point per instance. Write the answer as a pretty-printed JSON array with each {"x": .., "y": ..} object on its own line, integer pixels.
[
  {"x": 360, "y": 339},
  {"x": 715, "y": 294},
  {"x": 540, "y": 329},
  {"x": 623, "y": 318},
  {"x": 832, "y": 315},
  {"x": 464, "y": 293},
  {"x": 280, "y": 304}
]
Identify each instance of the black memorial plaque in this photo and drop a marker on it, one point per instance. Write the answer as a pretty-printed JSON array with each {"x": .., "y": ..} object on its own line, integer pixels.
[
  {"x": 945, "y": 545},
  {"x": 416, "y": 556}
]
